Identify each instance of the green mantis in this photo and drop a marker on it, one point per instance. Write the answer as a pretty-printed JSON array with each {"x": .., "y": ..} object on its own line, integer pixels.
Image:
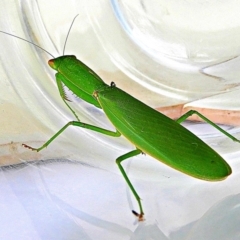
[{"x": 148, "y": 130}]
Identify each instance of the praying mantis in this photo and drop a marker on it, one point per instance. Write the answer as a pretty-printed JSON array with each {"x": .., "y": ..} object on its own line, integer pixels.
[{"x": 148, "y": 130}]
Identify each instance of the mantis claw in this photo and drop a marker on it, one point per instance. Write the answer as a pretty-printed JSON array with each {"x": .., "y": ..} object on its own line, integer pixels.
[
  {"x": 26, "y": 146},
  {"x": 140, "y": 216}
]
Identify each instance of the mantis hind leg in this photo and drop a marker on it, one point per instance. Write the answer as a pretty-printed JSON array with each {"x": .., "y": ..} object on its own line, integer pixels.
[
  {"x": 191, "y": 112},
  {"x": 118, "y": 161}
]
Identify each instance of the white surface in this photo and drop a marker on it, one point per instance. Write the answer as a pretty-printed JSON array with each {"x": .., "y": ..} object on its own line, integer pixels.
[{"x": 64, "y": 200}]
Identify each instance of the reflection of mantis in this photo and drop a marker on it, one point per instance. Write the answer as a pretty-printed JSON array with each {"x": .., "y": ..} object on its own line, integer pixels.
[{"x": 150, "y": 131}]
